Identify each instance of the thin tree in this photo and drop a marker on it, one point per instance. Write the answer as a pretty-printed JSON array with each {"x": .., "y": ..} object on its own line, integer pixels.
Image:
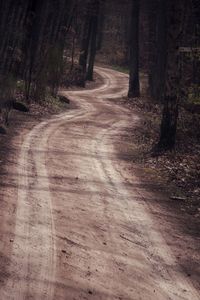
[
  {"x": 101, "y": 21},
  {"x": 85, "y": 42},
  {"x": 134, "y": 82},
  {"x": 93, "y": 41}
]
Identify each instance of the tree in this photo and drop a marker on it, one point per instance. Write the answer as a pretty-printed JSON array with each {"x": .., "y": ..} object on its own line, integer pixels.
[
  {"x": 93, "y": 40},
  {"x": 13, "y": 14},
  {"x": 85, "y": 41},
  {"x": 134, "y": 84},
  {"x": 43, "y": 46},
  {"x": 157, "y": 48},
  {"x": 32, "y": 43},
  {"x": 101, "y": 20},
  {"x": 175, "y": 25}
]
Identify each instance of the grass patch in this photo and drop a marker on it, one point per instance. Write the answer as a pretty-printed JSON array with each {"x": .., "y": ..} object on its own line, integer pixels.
[{"x": 122, "y": 69}]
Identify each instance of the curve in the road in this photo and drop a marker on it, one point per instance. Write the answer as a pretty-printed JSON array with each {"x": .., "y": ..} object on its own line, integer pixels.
[{"x": 34, "y": 259}]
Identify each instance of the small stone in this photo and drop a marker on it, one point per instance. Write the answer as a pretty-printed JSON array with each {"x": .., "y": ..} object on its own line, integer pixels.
[
  {"x": 64, "y": 251},
  {"x": 90, "y": 292},
  {"x": 11, "y": 240}
]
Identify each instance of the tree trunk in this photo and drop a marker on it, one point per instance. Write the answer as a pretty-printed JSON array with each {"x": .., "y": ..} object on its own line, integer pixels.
[
  {"x": 85, "y": 45},
  {"x": 157, "y": 56},
  {"x": 161, "y": 50},
  {"x": 152, "y": 13},
  {"x": 92, "y": 54},
  {"x": 175, "y": 25},
  {"x": 134, "y": 84},
  {"x": 101, "y": 25}
]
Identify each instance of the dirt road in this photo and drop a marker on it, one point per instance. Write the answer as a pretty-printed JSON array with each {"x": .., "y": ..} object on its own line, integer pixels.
[{"x": 81, "y": 230}]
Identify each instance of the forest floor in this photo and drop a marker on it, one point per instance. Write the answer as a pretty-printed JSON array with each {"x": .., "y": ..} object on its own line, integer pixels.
[
  {"x": 179, "y": 169},
  {"x": 81, "y": 216}
]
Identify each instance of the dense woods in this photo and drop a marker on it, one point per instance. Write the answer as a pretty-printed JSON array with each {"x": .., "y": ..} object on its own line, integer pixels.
[
  {"x": 45, "y": 44},
  {"x": 32, "y": 34}
]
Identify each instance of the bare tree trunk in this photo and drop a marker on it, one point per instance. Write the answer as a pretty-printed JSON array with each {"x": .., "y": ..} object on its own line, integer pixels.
[
  {"x": 92, "y": 54},
  {"x": 175, "y": 25},
  {"x": 101, "y": 24},
  {"x": 85, "y": 44},
  {"x": 160, "y": 62},
  {"x": 152, "y": 20},
  {"x": 73, "y": 52},
  {"x": 157, "y": 57},
  {"x": 134, "y": 84}
]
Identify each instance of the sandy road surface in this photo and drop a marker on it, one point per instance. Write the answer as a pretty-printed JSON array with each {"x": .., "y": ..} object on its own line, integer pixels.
[{"x": 82, "y": 231}]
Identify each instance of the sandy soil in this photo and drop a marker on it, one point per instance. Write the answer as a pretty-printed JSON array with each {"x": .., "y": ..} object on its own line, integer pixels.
[{"x": 75, "y": 224}]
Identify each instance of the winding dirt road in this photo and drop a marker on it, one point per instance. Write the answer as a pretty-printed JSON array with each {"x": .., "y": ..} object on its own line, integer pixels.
[{"x": 81, "y": 230}]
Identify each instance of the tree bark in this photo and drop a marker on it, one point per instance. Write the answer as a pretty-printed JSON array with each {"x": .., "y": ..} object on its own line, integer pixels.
[
  {"x": 175, "y": 25},
  {"x": 134, "y": 83},
  {"x": 85, "y": 44},
  {"x": 157, "y": 48},
  {"x": 101, "y": 24},
  {"x": 92, "y": 54}
]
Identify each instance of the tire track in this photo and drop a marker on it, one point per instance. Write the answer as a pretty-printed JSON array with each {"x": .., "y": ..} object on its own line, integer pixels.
[{"x": 34, "y": 259}]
